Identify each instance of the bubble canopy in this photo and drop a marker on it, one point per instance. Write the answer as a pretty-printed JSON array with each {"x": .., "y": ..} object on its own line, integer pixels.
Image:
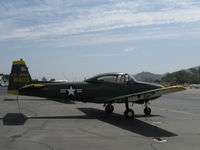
[{"x": 112, "y": 78}]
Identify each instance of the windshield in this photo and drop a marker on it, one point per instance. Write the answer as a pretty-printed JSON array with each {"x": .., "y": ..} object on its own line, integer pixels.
[
  {"x": 125, "y": 78},
  {"x": 132, "y": 77}
]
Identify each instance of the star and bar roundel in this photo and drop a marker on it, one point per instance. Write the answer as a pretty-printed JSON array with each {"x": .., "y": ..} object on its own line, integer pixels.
[{"x": 71, "y": 91}]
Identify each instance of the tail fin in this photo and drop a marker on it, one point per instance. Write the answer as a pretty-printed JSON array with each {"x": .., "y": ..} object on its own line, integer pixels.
[{"x": 19, "y": 76}]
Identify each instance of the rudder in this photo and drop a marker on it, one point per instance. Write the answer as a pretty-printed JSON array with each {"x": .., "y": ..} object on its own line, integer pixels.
[{"x": 19, "y": 76}]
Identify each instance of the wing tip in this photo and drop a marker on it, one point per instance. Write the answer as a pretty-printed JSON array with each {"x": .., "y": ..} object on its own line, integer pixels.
[{"x": 177, "y": 87}]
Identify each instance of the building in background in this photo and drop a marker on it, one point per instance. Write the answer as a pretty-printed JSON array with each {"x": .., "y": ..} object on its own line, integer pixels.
[{"x": 4, "y": 80}]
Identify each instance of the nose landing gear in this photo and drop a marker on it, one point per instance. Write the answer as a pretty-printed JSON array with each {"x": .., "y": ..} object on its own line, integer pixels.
[
  {"x": 147, "y": 109},
  {"x": 129, "y": 113}
]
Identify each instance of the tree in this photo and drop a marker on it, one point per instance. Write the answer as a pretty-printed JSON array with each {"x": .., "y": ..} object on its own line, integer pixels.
[
  {"x": 169, "y": 78},
  {"x": 44, "y": 79},
  {"x": 52, "y": 80},
  {"x": 180, "y": 77}
]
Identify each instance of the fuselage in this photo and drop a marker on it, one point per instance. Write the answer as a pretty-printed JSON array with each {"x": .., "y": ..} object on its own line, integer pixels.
[{"x": 97, "y": 92}]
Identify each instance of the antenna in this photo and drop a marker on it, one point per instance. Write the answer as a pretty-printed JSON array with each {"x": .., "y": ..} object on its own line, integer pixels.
[
  {"x": 64, "y": 76},
  {"x": 18, "y": 104}
]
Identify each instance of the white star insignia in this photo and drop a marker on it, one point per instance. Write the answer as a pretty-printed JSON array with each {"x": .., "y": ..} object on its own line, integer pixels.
[{"x": 71, "y": 91}]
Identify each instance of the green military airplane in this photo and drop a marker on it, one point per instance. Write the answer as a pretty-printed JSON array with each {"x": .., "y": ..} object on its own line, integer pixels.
[{"x": 105, "y": 88}]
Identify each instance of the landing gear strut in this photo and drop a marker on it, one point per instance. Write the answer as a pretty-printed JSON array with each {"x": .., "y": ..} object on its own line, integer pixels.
[
  {"x": 147, "y": 110},
  {"x": 109, "y": 108},
  {"x": 129, "y": 113}
]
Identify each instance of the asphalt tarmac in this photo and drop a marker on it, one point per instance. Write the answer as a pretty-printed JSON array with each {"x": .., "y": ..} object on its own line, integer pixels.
[{"x": 40, "y": 124}]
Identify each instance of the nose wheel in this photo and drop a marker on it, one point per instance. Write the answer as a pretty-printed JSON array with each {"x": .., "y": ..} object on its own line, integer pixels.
[
  {"x": 109, "y": 108},
  {"x": 147, "y": 110}
]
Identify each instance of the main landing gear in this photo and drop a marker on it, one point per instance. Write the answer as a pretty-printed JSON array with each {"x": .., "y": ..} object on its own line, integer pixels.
[
  {"x": 109, "y": 108},
  {"x": 129, "y": 113}
]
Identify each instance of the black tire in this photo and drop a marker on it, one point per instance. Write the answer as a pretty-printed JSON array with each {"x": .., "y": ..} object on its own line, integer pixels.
[
  {"x": 147, "y": 111},
  {"x": 129, "y": 114},
  {"x": 109, "y": 108}
]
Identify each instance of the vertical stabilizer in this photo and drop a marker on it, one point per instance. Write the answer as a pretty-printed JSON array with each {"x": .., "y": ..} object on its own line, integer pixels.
[{"x": 19, "y": 76}]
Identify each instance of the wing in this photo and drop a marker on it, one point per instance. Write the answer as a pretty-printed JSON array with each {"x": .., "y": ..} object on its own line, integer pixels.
[{"x": 150, "y": 95}]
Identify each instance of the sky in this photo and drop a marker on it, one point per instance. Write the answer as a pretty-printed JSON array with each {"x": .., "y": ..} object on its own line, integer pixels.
[{"x": 76, "y": 39}]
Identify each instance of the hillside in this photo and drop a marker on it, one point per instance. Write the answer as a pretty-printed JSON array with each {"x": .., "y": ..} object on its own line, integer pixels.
[
  {"x": 191, "y": 76},
  {"x": 148, "y": 76}
]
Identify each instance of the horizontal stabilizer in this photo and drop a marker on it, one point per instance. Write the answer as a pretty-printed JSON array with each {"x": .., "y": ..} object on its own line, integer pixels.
[{"x": 32, "y": 86}]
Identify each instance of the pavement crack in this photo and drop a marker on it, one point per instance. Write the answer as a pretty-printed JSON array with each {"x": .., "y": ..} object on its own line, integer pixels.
[
  {"x": 153, "y": 147},
  {"x": 45, "y": 144},
  {"x": 17, "y": 136},
  {"x": 93, "y": 133},
  {"x": 31, "y": 111}
]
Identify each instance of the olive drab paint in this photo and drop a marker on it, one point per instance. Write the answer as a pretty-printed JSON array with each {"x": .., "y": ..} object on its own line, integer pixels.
[
  {"x": 107, "y": 88},
  {"x": 19, "y": 76}
]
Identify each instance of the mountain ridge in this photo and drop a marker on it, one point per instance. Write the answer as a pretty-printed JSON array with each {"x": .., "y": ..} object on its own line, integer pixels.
[{"x": 147, "y": 76}]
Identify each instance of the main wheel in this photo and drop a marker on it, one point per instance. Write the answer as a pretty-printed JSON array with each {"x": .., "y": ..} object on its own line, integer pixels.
[
  {"x": 109, "y": 108},
  {"x": 129, "y": 113},
  {"x": 147, "y": 111}
]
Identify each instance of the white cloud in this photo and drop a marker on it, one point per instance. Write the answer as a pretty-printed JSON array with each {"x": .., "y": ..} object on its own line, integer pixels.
[
  {"x": 101, "y": 55},
  {"x": 129, "y": 4},
  {"x": 59, "y": 18},
  {"x": 130, "y": 49}
]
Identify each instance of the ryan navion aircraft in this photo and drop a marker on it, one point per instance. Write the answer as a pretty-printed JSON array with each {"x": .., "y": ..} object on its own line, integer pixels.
[{"x": 105, "y": 88}]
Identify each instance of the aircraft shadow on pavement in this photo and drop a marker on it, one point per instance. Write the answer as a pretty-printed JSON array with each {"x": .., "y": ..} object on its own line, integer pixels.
[
  {"x": 133, "y": 125},
  {"x": 14, "y": 119},
  {"x": 56, "y": 100},
  {"x": 15, "y": 99}
]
